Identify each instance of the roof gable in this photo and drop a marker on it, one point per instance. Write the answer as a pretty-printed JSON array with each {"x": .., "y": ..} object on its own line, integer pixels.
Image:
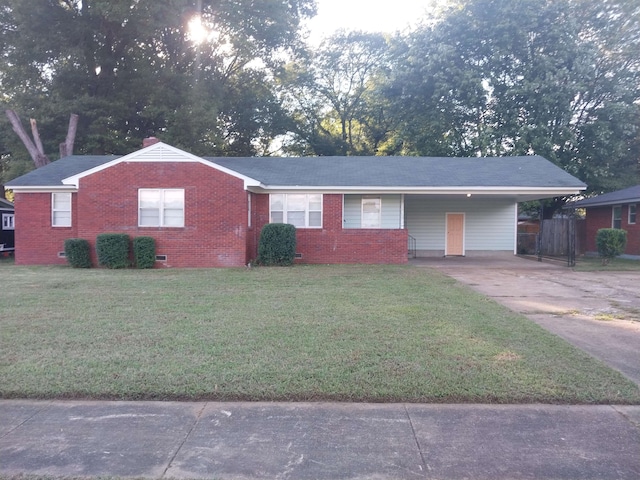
[
  {"x": 158, "y": 152},
  {"x": 66, "y": 173}
]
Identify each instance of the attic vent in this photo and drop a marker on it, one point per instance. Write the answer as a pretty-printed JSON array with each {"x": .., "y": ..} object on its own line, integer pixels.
[
  {"x": 161, "y": 258},
  {"x": 298, "y": 255}
]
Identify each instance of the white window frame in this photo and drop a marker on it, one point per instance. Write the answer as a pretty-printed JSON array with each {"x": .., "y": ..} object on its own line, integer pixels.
[
  {"x": 161, "y": 207},
  {"x": 617, "y": 208},
  {"x": 249, "y": 209},
  {"x": 378, "y": 222},
  {"x": 631, "y": 218},
  {"x": 8, "y": 221},
  {"x": 55, "y": 219},
  {"x": 307, "y": 208}
]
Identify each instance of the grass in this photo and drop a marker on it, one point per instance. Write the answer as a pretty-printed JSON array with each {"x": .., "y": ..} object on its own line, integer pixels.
[
  {"x": 594, "y": 264},
  {"x": 306, "y": 333}
]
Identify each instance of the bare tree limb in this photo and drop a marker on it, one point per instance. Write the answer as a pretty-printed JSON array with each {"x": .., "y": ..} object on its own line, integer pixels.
[
  {"x": 66, "y": 148},
  {"x": 36, "y": 135},
  {"x": 39, "y": 158}
]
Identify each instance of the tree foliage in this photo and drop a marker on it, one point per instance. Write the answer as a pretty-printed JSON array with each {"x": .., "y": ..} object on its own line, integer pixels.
[
  {"x": 133, "y": 68},
  {"x": 558, "y": 78},
  {"x": 329, "y": 93}
]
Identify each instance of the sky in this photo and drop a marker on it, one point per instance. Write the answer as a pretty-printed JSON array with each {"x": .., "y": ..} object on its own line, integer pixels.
[{"x": 368, "y": 15}]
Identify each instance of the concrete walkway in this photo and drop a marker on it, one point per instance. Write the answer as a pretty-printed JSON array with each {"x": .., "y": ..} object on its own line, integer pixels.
[
  {"x": 319, "y": 441},
  {"x": 598, "y": 312}
]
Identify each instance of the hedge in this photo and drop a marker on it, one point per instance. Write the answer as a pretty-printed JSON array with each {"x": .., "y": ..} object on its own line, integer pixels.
[
  {"x": 277, "y": 244},
  {"x": 113, "y": 250},
  {"x": 610, "y": 242},
  {"x": 144, "y": 252},
  {"x": 78, "y": 252}
]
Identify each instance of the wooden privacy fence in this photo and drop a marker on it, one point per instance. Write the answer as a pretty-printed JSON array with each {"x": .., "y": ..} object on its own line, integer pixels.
[
  {"x": 554, "y": 237},
  {"x": 557, "y": 237}
]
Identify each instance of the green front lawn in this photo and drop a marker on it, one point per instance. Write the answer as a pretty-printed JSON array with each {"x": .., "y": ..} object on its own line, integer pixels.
[{"x": 344, "y": 333}]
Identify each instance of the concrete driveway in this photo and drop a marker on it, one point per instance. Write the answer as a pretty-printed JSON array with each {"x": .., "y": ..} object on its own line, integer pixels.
[{"x": 598, "y": 312}]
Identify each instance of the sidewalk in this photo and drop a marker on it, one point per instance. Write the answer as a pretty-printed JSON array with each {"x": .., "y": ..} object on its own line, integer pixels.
[{"x": 318, "y": 440}]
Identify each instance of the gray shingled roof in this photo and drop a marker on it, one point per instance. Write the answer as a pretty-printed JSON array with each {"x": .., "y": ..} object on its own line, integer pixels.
[
  {"x": 525, "y": 171},
  {"x": 51, "y": 175},
  {"x": 626, "y": 195}
]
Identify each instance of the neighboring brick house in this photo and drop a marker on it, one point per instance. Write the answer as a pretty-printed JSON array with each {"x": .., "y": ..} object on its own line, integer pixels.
[
  {"x": 612, "y": 210},
  {"x": 208, "y": 212}
]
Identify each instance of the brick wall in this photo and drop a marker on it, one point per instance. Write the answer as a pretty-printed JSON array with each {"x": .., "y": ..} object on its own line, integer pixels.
[
  {"x": 37, "y": 242},
  {"x": 214, "y": 234},
  {"x": 601, "y": 217},
  {"x": 215, "y": 231},
  {"x": 334, "y": 244}
]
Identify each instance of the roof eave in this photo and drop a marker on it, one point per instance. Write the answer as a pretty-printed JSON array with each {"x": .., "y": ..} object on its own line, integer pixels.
[
  {"x": 42, "y": 188},
  {"x": 609, "y": 203},
  {"x": 538, "y": 192}
]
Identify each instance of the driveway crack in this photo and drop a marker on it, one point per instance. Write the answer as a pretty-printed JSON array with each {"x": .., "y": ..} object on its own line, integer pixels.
[
  {"x": 10, "y": 431},
  {"x": 423, "y": 467},
  {"x": 184, "y": 440}
]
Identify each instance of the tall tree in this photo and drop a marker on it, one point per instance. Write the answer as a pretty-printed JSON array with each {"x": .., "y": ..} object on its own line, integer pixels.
[
  {"x": 133, "y": 68},
  {"x": 329, "y": 94},
  {"x": 559, "y": 78}
]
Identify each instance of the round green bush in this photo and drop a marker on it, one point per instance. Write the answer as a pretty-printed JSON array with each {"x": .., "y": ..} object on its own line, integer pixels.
[
  {"x": 77, "y": 252},
  {"x": 610, "y": 243},
  {"x": 144, "y": 252},
  {"x": 277, "y": 244}
]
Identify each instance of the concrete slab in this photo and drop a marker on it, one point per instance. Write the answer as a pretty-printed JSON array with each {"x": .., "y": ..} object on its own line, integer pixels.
[
  {"x": 631, "y": 413},
  {"x": 301, "y": 441},
  {"x": 322, "y": 441},
  {"x": 484, "y": 442},
  {"x": 96, "y": 438},
  {"x": 14, "y": 414},
  {"x": 598, "y": 312}
]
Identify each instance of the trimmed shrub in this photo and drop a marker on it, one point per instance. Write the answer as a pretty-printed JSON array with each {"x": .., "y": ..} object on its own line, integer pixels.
[
  {"x": 277, "y": 244},
  {"x": 78, "y": 252},
  {"x": 144, "y": 252},
  {"x": 610, "y": 242},
  {"x": 113, "y": 250}
]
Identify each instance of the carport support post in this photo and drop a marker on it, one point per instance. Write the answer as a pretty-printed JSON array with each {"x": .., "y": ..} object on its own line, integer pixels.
[
  {"x": 540, "y": 225},
  {"x": 571, "y": 231}
]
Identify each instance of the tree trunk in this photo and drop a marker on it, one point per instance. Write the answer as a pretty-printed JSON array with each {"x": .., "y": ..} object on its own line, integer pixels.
[
  {"x": 37, "y": 155},
  {"x": 66, "y": 148}
]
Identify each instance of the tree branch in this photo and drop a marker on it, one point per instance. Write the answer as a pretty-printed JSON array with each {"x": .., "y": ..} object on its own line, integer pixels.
[
  {"x": 66, "y": 148},
  {"x": 36, "y": 135},
  {"x": 39, "y": 158}
]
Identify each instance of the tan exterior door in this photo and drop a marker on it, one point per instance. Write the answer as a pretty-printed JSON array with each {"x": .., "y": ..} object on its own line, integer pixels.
[{"x": 455, "y": 234}]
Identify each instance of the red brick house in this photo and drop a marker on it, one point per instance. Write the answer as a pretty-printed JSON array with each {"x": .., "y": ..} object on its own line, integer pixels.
[
  {"x": 612, "y": 210},
  {"x": 208, "y": 212}
]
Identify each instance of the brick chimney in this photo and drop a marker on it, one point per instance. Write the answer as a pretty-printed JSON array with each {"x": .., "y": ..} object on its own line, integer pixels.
[{"x": 147, "y": 142}]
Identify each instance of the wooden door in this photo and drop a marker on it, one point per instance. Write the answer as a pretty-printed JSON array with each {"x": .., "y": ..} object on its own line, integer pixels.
[{"x": 455, "y": 234}]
